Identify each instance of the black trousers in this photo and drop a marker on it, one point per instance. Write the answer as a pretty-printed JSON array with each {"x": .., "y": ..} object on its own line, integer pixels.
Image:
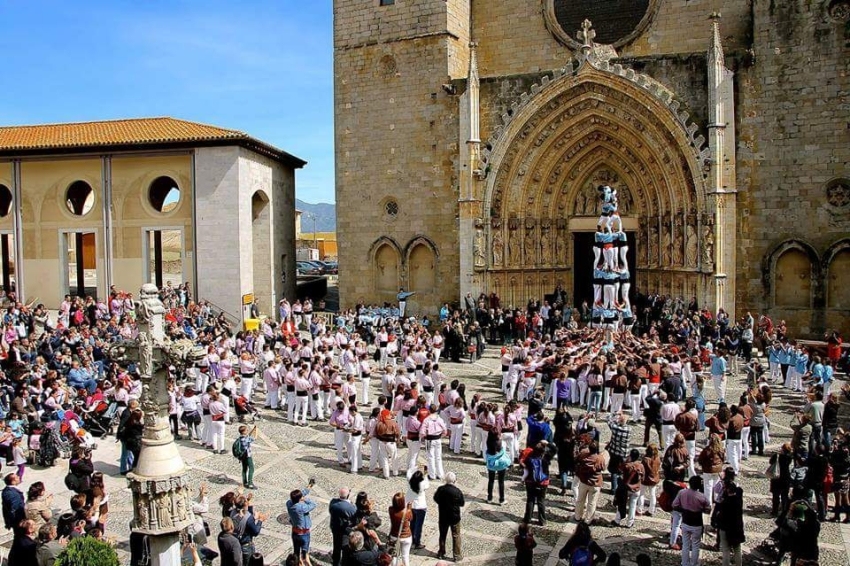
[
  {"x": 491, "y": 477},
  {"x": 336, "y": 555},
  {"x": 535, "y": 494}
]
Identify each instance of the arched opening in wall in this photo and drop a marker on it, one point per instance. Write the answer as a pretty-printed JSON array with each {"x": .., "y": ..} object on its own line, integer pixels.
[
  {"x": 386, "y": 270},
  {"x": 422, "y": 269},
  {"x": 261, "y": 246},
  {"x": 79, "y": 198},
  {"x": 838, "y": 291},
  {"x": 7, "y": 242},
  {"x": 164, "y": 194},
  {"x": 792, "y": 280}
]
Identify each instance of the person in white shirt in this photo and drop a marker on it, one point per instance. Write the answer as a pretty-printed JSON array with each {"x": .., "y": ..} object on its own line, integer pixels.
[
  {"x": 271, "y": 378},
  {"x": 356, "y": 429}
]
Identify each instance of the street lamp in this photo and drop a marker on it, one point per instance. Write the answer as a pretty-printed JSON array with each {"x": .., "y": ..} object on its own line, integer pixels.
[{"x": 312, "y": 216}]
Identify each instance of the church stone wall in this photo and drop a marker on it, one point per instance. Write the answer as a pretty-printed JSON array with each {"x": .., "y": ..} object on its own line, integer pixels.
[
  {"x": 793, "y": 139},
  {"x": 396, "y": 141},
  {"x": 513, "y": 38}
]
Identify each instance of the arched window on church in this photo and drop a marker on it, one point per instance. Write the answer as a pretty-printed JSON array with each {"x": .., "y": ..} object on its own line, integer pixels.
[
  {"x": 792, "y": 280},
  {"x": 422, "y": 265},
  {"x": 386, "y": 269},
  {"x": 838, "y": 291}
]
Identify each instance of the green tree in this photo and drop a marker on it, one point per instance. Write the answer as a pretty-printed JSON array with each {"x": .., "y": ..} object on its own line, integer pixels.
[{"x": 87, "y": 551}]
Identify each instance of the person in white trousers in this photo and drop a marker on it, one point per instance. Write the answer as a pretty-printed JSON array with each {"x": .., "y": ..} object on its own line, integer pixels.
[
  {"x": 355, "y": 439},
  {"x": 340, "y": 421},
  {"x": 217, "y": 416},
  {"x": 456, "y": 416},
  {"x": 432, "y": 431}
]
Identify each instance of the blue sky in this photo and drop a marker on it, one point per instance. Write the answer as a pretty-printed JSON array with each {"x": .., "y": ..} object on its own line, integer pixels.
[{"x": 264, "y": 67}]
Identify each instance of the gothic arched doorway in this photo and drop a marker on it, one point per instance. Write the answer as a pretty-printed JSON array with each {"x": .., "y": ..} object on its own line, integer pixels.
[{"x": 596, "y": 125}]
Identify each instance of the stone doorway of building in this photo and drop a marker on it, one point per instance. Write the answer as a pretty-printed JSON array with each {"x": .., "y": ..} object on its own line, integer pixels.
[
  {"x": 583, "y": 266},
  {"x": 80, "y": 265},
  {"x": 164, "y": 261}
]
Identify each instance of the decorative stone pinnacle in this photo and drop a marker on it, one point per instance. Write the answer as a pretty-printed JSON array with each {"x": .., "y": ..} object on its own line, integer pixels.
[
  {"x": 586, "y": 35},
  {"x": 715, "y": 16}
]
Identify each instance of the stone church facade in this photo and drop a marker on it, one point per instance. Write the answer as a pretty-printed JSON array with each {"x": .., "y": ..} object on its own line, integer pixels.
[{"x": 471, "y": 134}]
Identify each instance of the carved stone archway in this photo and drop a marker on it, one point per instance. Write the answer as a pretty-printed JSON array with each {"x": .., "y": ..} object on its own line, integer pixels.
[{"x": 596, "y": 124}]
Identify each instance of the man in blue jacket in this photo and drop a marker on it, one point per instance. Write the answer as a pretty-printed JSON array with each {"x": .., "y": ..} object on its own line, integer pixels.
[{"x": 13, "y": 502}]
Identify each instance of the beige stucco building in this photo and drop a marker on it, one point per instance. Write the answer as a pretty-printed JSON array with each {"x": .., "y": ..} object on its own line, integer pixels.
[
  {"x": 471, "y": 134},
  {"x": 89, "y": 205}
]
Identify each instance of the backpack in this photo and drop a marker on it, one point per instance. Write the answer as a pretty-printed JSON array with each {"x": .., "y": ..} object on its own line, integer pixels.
[
  {"x": 581, "y": 556},
  {"x": 238, "y": 449},
  {"x": 538, "y": 474}
]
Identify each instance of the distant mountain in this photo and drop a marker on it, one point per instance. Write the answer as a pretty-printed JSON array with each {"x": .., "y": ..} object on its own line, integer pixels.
[{"x": 325, "y": 216}]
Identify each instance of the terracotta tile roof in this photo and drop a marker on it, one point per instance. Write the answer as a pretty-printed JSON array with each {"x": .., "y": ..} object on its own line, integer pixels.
[{"x": 134, "y": 133}]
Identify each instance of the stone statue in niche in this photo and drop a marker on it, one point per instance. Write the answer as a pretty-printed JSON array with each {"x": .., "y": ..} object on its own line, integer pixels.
[
  {"x": 707, "y": 247},
  {"x": 678, "y": 240},
  {"x": 652, "y": 244},
  {"x": 666, "y": 246},
  {"x": 545, "y": 247},
  {"x": 478, "y": 248},
  {"x": 691, "y": 243},
  {"x": 514, "y": 245},
  {"x": 530, "y": 246},
  {"x": 498, "y": 246}
]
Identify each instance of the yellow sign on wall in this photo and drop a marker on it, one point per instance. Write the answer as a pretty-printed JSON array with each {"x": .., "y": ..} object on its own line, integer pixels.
[{"x": 247, "y": 299}]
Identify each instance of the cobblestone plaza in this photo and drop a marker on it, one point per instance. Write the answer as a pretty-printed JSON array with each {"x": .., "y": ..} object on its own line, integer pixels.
[{"x": 287, "y": 456}]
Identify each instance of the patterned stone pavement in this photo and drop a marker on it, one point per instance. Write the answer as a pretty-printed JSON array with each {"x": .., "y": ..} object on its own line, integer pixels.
[{"x": 287, "y": 456}]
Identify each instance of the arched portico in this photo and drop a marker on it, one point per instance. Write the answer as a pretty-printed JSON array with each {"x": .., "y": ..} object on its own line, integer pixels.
[{"x": 597, "y": 124}]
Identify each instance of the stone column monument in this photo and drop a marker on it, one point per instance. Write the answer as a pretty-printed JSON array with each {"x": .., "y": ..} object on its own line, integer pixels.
[{"x": 161, "y": 495}]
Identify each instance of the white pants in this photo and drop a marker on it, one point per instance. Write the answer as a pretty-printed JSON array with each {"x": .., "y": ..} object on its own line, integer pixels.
[
  {"x": 745, "y": 442},
  {"x": 634, "y": 403},
  {"x": 317, "y": 408},
  {"x": 437, "y": 352},
  {"x": 290, "y": 406},
  {"x": 675, "y": 526},
  {"x": 435, "y": 459},
  {"x": 413, "y": 448},
  {"x": 355, "y": 443},
  {"x": 301, "y": 404},
  {"x": 648, "y": 492},
  {"x": 272, "y": 397},
  {"x": 247, "y": 387},
  {"x": 582, "y": 393},
  {"x": 617, "y": 402},
  {"x": 708, "y": 483},
  {"x": 692, "y": 450},
  {"x": 365, "y": 381},
  {"x": 456, "y": 438},
  {"x": 719, "y": 386},
  {"x": 374, "y": 454},
  {"x": 202, "y": 381},
  {"x": 668, "y": 432},
  {"x": 218, "y": 435},
  {"x": 308, "y": 318},
  {"x": 474, "y": 437},
  {"x": 793, "y": 380},
  {"x": 340, "y": 443},
  {"x": 389, "y": 458},
  {"x": 383, "y": 357},
  {"x": 775, "y": 371},
  {"x": 733, "y": 454},
  {"x": 573, "y": 390},
  {"x": 510, "y": 444},
  {"x": 206, "y": 430}
]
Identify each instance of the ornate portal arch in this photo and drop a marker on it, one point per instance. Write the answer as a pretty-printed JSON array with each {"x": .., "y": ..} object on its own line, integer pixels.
[{"x": 596, "y": 123}]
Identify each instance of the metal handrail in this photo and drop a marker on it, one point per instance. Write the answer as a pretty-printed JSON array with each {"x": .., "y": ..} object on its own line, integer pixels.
[{"x": 229, "y": 315}]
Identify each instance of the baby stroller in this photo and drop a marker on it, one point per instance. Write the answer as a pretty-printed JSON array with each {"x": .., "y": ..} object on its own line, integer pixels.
[
  {"x": 102, "y": 419},
  {"x": 244, "y": 408},
  {"x": 48, "y": 445}
]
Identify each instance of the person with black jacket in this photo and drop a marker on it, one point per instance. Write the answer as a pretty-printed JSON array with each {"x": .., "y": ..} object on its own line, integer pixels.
[
  {"x": 358, "y": 553},
  {"x": 342, "y": 516},
  {"x": 449, "y": 501},
  {"x": 652, "y": 414},
  {"x": 228, "y": 545}
]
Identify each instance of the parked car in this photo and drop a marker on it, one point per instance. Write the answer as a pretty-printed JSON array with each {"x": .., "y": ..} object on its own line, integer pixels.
[
  {"x": 331, "y": 267},
  {"x": 306, "y": 268}
]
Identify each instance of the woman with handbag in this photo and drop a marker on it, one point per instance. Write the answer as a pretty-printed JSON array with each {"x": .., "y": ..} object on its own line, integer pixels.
[
  {"x": 498, "y": 461},
  {"x": 401, "y": 535}
]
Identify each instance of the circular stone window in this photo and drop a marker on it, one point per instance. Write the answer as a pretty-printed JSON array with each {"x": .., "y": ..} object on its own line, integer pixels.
[
  {"x": 164, "y": 194},
  {"x": 5, "y": 201},
  {"x": 79, "y": 198},
  {"x": 838, "y": 193},
  {"x": 391, "y": 209},
  {"x": 615, "y": 22}
]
